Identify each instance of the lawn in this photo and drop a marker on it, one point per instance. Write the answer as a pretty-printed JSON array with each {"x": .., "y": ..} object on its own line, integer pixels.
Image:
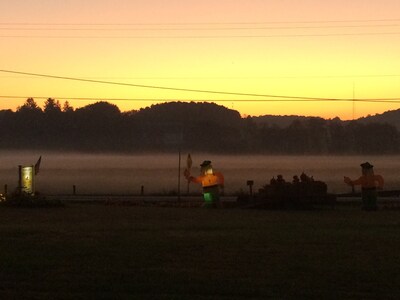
[{"x": 94, "y": 251}]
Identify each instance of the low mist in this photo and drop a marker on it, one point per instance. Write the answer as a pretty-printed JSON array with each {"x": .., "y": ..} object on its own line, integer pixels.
[{"x": 158, "y": 173}]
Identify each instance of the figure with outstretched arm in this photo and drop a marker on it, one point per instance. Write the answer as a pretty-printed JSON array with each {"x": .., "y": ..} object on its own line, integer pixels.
[
  {"x": 212, "y": 183},
  {"x": 369, "y": 184}
]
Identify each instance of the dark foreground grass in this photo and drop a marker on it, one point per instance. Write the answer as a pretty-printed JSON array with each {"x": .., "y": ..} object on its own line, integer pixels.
[{"x": 114, "y": 252}]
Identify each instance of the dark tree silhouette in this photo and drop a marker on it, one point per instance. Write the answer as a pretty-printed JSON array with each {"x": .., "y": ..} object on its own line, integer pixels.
[
  {"x": 29, "y": 106},
  {"x": 189, "y": 126},
  {"x": 52, "y": 106},
  {"x": 67, "y": 107}
]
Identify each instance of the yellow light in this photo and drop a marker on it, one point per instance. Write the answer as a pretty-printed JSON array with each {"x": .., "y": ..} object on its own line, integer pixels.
[{"x": 27, "y": 180}]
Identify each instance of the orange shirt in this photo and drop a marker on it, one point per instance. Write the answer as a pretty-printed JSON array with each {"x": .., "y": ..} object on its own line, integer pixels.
[
  {"x": 209, "y": 179},
  {"x": 369, "y": 181}
]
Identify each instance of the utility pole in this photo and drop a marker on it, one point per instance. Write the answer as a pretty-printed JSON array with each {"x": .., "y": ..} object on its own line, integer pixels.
[
  {"x": 354, "y": 96},
  {"x": 179, "y": 176}
]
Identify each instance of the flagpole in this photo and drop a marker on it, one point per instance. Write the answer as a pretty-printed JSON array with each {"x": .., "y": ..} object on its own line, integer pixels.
[{"x": 188, "y": 167}]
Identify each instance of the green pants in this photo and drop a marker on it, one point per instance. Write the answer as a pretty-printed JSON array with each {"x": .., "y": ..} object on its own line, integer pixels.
[
  {"x": 211, "y": 196},
  {"x": 369, "y": 197}
]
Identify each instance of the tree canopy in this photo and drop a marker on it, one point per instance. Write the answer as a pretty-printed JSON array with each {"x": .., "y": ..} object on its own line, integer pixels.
[{"x": 187, "y": 126}]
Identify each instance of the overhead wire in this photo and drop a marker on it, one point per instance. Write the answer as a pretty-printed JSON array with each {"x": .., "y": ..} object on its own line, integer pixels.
[
  {"x": 153, "y": 86},
  {"x": 381, "y": 100},
  {"x": 237, "y": 77},
  {"x": 202, "y": 36},
  {"x": 281, "y": 97},
  {"x": 270, "y": 97},
  {"x": 195, "y": 29},
  {"x": 202, "y": 27},
  {"x": 200, "y": 23}
]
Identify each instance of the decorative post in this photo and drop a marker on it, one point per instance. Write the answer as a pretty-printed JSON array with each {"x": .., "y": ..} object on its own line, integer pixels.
[
  {"x": 179, "y": 176},
  {"x": 188, "y": 167},
  {"x": 250, "y": 184}
]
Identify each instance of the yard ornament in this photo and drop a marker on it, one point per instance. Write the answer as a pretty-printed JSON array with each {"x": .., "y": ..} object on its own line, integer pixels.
[
  {"x": 369, "y": 184},
  {"x": 211, "y": 182}
]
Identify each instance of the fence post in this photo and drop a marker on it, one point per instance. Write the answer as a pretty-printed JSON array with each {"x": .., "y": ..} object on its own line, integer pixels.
[{"x": 250, "y": 185}]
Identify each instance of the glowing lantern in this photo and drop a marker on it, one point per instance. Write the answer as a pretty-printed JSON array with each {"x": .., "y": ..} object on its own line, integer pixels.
[
  {"x": 27, "y": 180},
  {"x": 26, "y": 183}
]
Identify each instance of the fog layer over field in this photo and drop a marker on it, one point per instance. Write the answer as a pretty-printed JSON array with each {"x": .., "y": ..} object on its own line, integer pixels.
[{"x": 158, "y": 173}]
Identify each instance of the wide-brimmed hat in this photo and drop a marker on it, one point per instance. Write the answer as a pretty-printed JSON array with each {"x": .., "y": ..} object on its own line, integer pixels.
[
  {"x": 205, "y": 163},
  {"x": 366, "y": 165}
]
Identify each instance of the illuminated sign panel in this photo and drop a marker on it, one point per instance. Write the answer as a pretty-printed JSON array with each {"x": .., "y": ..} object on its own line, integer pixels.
[{"x": 26, "y": 180}]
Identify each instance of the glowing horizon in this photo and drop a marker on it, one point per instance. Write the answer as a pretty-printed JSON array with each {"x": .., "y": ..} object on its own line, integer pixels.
[{"x": 309, "y": 49}]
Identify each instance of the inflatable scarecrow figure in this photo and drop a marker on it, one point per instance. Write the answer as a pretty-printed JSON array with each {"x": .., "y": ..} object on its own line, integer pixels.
[
  {"x": 211, "y": 182},
  {"x": 369, "y": 184}
]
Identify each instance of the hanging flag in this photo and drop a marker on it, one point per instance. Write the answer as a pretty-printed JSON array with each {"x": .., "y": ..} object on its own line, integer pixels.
[{"x": 37, "y": 165}]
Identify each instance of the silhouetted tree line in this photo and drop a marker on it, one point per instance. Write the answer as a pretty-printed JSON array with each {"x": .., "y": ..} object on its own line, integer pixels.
[{"x": 102, "y": 127}]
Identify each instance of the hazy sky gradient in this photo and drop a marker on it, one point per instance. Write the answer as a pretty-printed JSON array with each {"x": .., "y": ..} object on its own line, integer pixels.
[{"x": 307, "y": 48}]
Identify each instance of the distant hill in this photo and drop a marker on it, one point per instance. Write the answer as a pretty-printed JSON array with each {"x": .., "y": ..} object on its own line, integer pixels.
[
  {"x": 188, "y": 114},
  {"x": 391, "y": 117}
]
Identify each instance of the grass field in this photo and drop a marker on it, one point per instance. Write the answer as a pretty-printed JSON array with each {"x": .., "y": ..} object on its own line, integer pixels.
[{"x": 87, "y": 251}]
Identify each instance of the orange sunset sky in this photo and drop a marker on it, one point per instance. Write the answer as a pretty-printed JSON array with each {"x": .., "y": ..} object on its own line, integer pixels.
[{"x": 296, "y": 48}]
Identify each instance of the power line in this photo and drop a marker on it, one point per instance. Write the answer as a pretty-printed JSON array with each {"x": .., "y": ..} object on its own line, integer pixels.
[
  {"x": 196, "y": 29},
  {"x": 150, "y": 86},
  {"x": 202, "y": 36},
  {"x": 377, "y": 100},
  {"x": 181, "y": 89},
  {"x": 184, "y": 89},
  {"x": 200, "y": 23},
  {"x": 241, "y": 77}
]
